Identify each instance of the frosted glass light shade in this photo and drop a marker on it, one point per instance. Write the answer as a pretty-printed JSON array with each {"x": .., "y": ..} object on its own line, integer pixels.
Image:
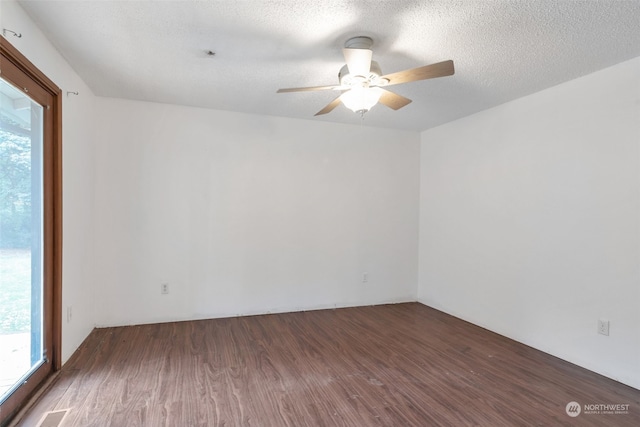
[{"x": 361, "y": 99}]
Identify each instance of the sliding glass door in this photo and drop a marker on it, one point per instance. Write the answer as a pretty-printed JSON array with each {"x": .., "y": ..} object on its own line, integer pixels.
[
  {"x": 29, "y": 232},
  {"x": 21, "y": 220}
]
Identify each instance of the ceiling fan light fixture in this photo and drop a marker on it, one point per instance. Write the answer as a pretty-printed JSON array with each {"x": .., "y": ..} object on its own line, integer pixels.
[
  {"x": 361, "y": 80},
  {"x": 361, "y": 99}
]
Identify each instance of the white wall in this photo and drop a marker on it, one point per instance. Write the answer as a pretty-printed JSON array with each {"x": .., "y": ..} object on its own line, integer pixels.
[
  {"x": 529, "y": 220},
  {"x": 77, "y": 127},
  {"x": 244, "y": 214}
]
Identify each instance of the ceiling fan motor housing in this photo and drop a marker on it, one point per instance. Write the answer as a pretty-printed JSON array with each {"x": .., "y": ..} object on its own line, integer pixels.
[{"x": 372, "y": 79}]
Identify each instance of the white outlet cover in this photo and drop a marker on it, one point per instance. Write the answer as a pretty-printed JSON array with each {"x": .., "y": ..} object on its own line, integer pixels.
[{"x": 603, "y": 327}]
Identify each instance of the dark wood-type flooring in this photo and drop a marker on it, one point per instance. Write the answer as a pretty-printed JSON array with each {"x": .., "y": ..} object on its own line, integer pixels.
[{"x": 392, "y": 365}]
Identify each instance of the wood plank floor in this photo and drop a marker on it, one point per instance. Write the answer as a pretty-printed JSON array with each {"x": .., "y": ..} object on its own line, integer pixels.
[{"x": 392, "y": 365}]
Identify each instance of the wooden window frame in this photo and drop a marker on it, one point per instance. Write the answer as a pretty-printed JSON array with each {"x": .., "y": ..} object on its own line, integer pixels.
[{"x": 52, "y": 195}]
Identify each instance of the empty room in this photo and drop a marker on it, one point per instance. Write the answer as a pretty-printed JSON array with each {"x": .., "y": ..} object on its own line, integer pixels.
[{"x": 335, "y": 213}]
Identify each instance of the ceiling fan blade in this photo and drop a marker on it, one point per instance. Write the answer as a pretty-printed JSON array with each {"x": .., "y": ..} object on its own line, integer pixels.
[
  {"x": 393, "y": 100},
  {"x": 441, "y": 69},
  {"x": 333, "y": 104},
  {"x": 358, "y": 61},
  {"x": 309, "y": 89}
]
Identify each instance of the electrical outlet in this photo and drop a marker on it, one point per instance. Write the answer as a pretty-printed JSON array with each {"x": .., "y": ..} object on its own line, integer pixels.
[
  {"x": 69, "y": 314},
  {"x": 164, "y": 288},
  {"x": 365, "y": 277},
  {"x": 603, "y": 327}
]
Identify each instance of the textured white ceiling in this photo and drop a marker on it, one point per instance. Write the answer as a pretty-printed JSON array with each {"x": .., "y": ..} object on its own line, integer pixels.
[{"x": 502, "y": 50}]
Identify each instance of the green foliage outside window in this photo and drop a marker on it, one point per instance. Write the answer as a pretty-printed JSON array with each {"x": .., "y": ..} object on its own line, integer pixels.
[{"x": 15, "y": 190}]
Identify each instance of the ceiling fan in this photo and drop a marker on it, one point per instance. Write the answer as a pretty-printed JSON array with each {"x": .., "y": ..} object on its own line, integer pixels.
[{"x": 361, "y": 81}]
